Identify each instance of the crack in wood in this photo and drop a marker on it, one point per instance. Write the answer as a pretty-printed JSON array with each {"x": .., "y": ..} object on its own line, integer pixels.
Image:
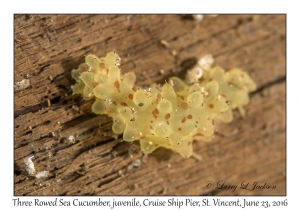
[
  {"x": 268, "y": 85},
  {"x": 43, "y": 68},
  {"x": 27, "y": 110}
]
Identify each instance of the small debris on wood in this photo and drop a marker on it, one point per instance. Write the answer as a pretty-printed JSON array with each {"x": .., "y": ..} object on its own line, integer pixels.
[
  {"x": 75, "y": 107},
  {"x": 22, "y": 84},
  {"x": 29, "y": 166},
  {"x": 193, "y": 75},
  {"x": 203, "y": 64},
  {"x": 71, "y": 139},
  {"x": 136, "y": 163},
  {"x": 48, "y": 102},
  {"x": 31, "y": 169},
  {"x": 42, "y": 174},
  {"x": 198, "y": 17},
  {"x": 164, "y": 43},
  {"x": 196, "y": 156}
]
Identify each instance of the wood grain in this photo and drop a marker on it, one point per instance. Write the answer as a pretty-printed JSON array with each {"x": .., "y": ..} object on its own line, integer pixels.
[{"x": 97, "y": 162}]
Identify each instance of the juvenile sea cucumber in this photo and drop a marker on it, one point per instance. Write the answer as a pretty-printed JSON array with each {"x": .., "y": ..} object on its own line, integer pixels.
[{"x": 171, "y": 117}]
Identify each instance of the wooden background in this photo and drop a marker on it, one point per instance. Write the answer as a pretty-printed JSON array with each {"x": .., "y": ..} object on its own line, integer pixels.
[{"x": 48, "y": 47}]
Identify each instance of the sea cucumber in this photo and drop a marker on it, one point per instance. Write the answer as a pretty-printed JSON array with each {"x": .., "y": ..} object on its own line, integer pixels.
[{"x": 172, "y": 116}]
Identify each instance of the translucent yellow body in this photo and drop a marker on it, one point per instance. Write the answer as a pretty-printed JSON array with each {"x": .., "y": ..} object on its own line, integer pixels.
[{"x": 171, "y": 117}]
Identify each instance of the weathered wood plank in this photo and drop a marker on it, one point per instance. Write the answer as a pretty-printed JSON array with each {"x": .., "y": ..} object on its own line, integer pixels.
[{"x": 48, "y": 47}]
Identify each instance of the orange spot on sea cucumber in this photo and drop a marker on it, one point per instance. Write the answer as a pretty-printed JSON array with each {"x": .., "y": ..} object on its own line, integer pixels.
[
  {"x": 95, "y": 84},
  {"x": 189, "y": 116},
  {"x": 167, "y": 116},
  {"x": 117, "y": 85},
  {"x": 123, "y": 104},
  {"x": 180, "y": 96},
  {"x": 211, "y": 106},
  {"x": 115, "y": 103},
  {"x": 198, "y": 134},
  {"x": 212, "y": 121},
  {"x": 109, "y": 110},
  {"x": 155, "y": 112},
  {"x": 184, "y": 105},
  {"x": 130, "y": 96},
  {"x": 102, "y": 65},
  {"x": 183, "y": 120},
  {"x": 83, "y": 68}
]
